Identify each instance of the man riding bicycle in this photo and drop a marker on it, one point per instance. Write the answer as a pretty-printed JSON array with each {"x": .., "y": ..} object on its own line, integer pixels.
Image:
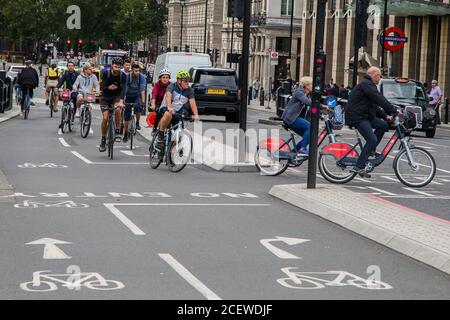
[
  {"x": 51, "y": 81},
  {"x": 178, "y": 95},
  {"x": 28, "y": 80},
  {"x": 68, "y": 79},
  {"x": 361, "y": 113},
  {"x": 113, "y": 93},
  {"x": 86, "y": 83},
  {"x": 134, "y": 93}
]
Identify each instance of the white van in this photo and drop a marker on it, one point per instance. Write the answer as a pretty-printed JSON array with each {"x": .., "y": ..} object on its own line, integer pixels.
[{"x": 177, "y": 61}]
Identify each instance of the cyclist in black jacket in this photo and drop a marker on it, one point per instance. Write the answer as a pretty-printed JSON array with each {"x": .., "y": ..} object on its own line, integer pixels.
[
  {"x": 28, "y": 80},
  {"x": 361, "y": 113},
  {"x": 68, "y": 79}
]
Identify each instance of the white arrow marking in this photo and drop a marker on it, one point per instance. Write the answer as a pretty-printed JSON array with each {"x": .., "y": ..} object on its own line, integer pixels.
[
  {"x": 51, "y": 251},
  {"x": 281, "y": 253}
]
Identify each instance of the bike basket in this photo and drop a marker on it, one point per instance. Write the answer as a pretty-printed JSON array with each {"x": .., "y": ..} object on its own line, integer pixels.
[
  {"x": 410, "y": 120},
  {"x": 52, "y": 83},
  {"x": 337, "y": 118},
  {"x": 65, "y": 95},
  {"x": 90, "y": 97}
]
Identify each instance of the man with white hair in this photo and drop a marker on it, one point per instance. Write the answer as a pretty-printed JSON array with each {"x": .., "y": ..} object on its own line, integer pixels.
[
  {"x": 436, "y": 95},
  {"x": 361, "y": 113}
]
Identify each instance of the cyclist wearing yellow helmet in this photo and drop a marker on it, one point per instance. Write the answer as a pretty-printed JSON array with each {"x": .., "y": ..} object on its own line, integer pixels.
[{"x": 178, "y": 96}]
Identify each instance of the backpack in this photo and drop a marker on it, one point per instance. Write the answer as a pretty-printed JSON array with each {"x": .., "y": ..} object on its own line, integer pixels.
[{"x": 338, "y": 117}]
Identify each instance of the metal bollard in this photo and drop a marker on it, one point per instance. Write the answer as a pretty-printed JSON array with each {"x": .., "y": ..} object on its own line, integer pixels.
[
  {"x": 250, "y": 92},
  {"x": 261, "y": 97},
  {"x": 446, "y": 111}
]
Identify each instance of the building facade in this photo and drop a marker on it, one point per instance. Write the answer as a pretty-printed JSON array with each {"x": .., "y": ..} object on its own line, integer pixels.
[{"x": 425, "y": 56}]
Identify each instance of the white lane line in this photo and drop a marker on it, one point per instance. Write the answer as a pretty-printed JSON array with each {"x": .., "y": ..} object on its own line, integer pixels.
[
  {"x": 390, "y": 178},
  {"x": 131, "y": 153},
  {"x": 432, "y": 182},
  {"x": 363, "y": 180},
  {"x": 64, "y": 143},
  {"x": 127, "y": 222},
  {"x": 419, "y": 192},
  {"x": 60, "y": 132},
  {"x": 382, "y": 191},
  {"x": 81, "y": 157},
  {"x": 91, "y": 131},
  {"x": 412, "y": 196},
  {"x": 189, "y": 277}
]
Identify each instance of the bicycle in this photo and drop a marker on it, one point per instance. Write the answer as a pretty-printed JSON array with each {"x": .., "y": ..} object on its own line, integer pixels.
[
  {"x": 178, "y": 146},
  {"x": 111, "y": 133},
  {"x": 52, "y": 84},
  {"x": 18, "y": 94},
  {"x": 67, "y": 112},
  {"x": 26, "y": 104},
  {"x": 273, "y": 157},
  {"x": 131, "y": 125},
  {"x": 335, "y": 159},
  {"x": 86, "y": 113}
]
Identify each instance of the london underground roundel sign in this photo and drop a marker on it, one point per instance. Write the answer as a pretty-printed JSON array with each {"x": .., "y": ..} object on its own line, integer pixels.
[{"x": 396, "y": 36}]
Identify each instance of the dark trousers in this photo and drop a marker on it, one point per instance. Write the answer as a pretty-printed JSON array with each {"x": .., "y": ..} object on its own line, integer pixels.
[
  {"x": 373, "y": 139},
  {"x": 26, "y": 90},
  {"x": 438, "y": 116}
]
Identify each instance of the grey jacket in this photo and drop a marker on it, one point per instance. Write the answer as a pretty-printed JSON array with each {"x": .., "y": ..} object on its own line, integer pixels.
[{"x": 295, "y": 106}]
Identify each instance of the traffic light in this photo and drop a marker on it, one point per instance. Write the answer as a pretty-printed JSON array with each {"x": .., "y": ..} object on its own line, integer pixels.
[
  {"x": 111, "y": 45},
  {"x": 361, "y": 23},
  {"x": 216, "y": 55},
  {"x": 80, "y": 42},
  {"x": 69, "y": 42},
  {"x": 319, "y": 72},
  {"x": 209, "y": 51},
  {"x": 187, "y": 48},
  {"x": 236, "y": 8}
]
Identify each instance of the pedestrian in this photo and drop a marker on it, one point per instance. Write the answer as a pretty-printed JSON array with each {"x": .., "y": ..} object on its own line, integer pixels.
[
  {"x": 332, "y": 89},
  {"x": 255, "y": 87},
  {"x": 4, "y": 65},
  {"x": 436, "y": 95}
]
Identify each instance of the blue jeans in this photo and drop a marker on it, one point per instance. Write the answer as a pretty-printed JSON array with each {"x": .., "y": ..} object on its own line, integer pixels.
[
  {"x": 137, "y": 107},
  {"x": 26, "y": 90},
  {"x": 302, "y": 128},
  {"x": 373, "y": 139}
]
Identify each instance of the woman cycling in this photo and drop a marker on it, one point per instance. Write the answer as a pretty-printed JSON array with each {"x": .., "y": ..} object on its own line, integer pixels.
[
  {"x": 295, "y": 112},
  {"x": 158, "y": 93}
]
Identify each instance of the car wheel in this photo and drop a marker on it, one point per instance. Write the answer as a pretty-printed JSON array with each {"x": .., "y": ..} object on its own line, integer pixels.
[
  {"x": 232, "y": 117},
  {"x": 430, "y": 133}
]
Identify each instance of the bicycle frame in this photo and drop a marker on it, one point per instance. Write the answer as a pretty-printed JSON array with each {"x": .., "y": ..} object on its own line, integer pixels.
[{"x": 83, "y": 277}]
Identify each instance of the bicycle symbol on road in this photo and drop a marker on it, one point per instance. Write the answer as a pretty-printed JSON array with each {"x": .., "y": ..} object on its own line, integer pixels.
[
  {"x": 318, "y": 280},
  {"x": 45, "y": 281},
  {"x": 62, "y": 204},
  {"x": 44, "y": 165}
]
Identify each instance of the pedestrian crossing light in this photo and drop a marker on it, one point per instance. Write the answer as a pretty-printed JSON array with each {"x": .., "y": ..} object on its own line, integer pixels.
[
  {"x": 319, "y": 72},
  {"x": 69, "y": 42},
  {"x": 236, "y": 8},
  {"x": 80, "y": 42}
]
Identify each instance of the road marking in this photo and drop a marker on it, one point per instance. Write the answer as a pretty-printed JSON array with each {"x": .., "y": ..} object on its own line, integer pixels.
[
  {"x": 81, "y": 157},
  {"x": 419, "y": 192},
  {"x": 51, "y": 251},
  {"x": 382, "y": 191},
  {"x": 131, "y": 153},
  {"x": 64, "y": 143},
  {"x": 281, "y": 253},
  {"x": 432, "y": 182},
  {"x": 119, "y": 215},
  {"x": 189, "y": 277},
  {"x": 390, "y": 178},
  {"x": 91, "y": 131},
  {"x": 363, "y": 180}
]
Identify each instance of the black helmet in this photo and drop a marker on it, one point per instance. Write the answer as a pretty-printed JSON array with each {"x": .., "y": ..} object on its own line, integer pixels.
[
  {"x": 28, "y": 62},
  {"x": 117, "y": 61}
]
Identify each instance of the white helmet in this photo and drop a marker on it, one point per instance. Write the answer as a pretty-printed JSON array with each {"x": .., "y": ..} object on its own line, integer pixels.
[{"x": 164, "y": 72}]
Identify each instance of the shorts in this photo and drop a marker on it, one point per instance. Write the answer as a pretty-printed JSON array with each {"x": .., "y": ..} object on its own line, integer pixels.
[
  {"x": 54, "y": 85},
  {"x": 107, "y": 103},
  {"x": 176, "y": 117},
  {"x": 137, "y": 107}
]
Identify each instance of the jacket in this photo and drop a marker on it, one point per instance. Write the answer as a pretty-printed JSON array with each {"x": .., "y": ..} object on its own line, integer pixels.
[
  {"x": 295, "y": 106},
  {"x": 86, "y": 83},
  {"x": 134, "y": 86},
  {"x": 362, "y": 103},
  {"x": 158, "y": 93},
  {"x": 29, "y": 77},
  {"x": 68, "y": 79}
]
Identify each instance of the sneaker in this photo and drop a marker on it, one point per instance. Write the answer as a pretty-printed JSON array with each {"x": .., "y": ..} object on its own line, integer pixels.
[
  {"x": 159, "y": 143},
  {"x": 102, "y": 147},
  {"x": 303, "y": 153},
  {"x": 77, "y": 114},
  {"x": 32, "y": 103},
  {"x": 138, "y": 127},
  {"x": 125, "y": 137},
  {"x": 361, "y": 172},
  {"x": 375, "y": 154},
  {"x": 118, "y": 137}
]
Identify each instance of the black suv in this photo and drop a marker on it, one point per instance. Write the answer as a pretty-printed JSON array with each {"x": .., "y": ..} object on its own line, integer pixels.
[
  {"x": 216, "y": 92},
  {"x": 410, "y": 95}
]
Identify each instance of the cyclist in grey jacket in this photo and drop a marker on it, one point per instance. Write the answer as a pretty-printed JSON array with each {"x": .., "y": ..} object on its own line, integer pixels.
[{"x": 86, "y": 82}]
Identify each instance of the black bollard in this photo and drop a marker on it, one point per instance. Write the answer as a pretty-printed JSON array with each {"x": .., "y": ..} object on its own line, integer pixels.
[{"x": 446, "y": 111}]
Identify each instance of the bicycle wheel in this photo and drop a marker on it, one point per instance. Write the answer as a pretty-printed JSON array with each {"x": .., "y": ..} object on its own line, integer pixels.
[
  {"x": 63, "y": 124},
  {"x": 69, "y": 118},
  {"x": 51, "y": 102},
  {"x": 332, "y": 171},
  {"x": 269, "y": 163},
  {"x": 415, "y": 176},
  {"x": 111, "y": 137},
  {"x": 44, "y": 286},
  {"x": 301, "y": 283},
  {"x": 132, "y": 131},
  {"x": 155, "y": 156},
  {"x": 26, "y": 104},
  {"x": 86, "y": 120},
  {"x": 104, "y": 285},
  {"x": 180, "y": 152}
]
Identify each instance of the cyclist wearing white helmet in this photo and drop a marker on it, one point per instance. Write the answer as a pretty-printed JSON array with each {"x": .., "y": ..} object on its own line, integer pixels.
[{"x": 158, "y": 93}]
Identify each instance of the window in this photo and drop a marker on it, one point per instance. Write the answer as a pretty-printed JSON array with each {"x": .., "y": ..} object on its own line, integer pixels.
[
  {"x": 310, "y": 5},
  {"x": 286, "y": 7}
]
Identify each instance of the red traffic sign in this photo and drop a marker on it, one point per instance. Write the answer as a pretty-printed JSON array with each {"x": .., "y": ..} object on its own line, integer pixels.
[
  {"x": 395, "y": 35},
  {"x": 274, "y": 55}
]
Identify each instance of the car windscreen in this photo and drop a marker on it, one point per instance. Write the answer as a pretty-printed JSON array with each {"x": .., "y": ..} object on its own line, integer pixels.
[
  {"x": 16, "y": 69},
  {"x": 226, "y": 80},
  {"x": 410, "y": 90}
]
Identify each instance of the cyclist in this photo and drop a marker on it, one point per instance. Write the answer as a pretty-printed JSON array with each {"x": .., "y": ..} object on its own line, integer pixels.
[
  {"x": 68, "y": 79},
  {"x": 113, "y": 92},
  {"x": 52, "y": 75},
  {"x": 134, "y": 93},
  {"x": 126, "y": 66},
  {"x": 361, "y": 113},
  {"x": 158, "y": 93},
  {"x": 295, "y": 112},
  {"x": 178, "y": 95},
  {"x": 28, "y": 80},
  {"x": 87, "y": 83}
]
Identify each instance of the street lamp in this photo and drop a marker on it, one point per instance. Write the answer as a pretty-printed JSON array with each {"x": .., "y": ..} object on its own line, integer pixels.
[
  {"x": 183, "y": 4},
  {"x": 289, "y": 74},
  {"x": 157, "y": 27},
  {"x": 206, "y": 23}
]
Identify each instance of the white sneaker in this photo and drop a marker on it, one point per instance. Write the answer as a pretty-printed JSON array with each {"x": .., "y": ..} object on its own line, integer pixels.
[{"x": 77, "y": 114}]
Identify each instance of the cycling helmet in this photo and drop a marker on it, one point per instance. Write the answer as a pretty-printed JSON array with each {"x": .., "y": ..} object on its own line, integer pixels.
[
  {"x": 86, "y": 65},
  {"x": 117, "y": 61},
  {"x": 183, "y": 74},
  {"x": 28, "y": 62},
  {"x": 164, "y": 72}
]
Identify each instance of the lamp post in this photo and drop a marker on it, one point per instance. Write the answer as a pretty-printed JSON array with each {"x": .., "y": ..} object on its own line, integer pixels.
[
  {"x": 289, "y": 75},
  {"x": 183, "y": 4},
  {"x": 206, "y": 24},
  {"x": 157, "y": 27}
]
